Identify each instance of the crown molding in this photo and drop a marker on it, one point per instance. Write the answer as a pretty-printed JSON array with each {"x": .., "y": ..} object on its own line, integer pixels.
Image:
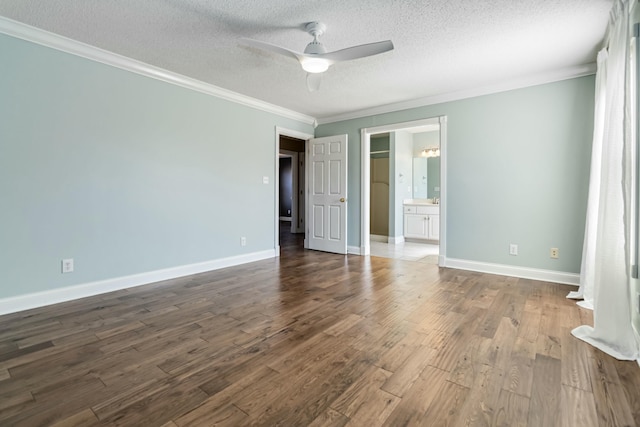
[
  {"x": 45, "y": 38},
  {"x": 520, "y": 83}
]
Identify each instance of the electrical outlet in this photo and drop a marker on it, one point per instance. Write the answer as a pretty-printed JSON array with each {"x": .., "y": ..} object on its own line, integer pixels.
[
  {"x": 243, "y": 241},
  {"x": 513, "y": 249},
  {"x": 67, "y": 265},
  {"x": 554, "y": 253}
]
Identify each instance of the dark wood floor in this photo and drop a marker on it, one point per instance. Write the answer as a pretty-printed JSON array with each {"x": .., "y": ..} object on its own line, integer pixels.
[{"x": 314, "y": 339}]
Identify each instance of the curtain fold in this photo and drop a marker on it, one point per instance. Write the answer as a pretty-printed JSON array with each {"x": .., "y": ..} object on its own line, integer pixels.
[
  {"x": 605, "y": 275},
  {"x": 587, "y": 269}
]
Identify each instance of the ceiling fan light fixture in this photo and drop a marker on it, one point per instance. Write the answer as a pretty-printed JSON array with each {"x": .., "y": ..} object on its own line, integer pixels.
[
  {"x": 315, "y": 59},
  {"x": 315, "y": 65}
]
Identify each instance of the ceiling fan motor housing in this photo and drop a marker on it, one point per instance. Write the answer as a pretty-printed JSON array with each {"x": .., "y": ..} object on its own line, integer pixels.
[
  {"x": 316, "y": 29},
  {"x": 315, "y": 47}
]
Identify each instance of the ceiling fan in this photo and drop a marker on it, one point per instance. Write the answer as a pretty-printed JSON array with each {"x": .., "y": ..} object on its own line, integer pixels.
[{"x": 315, "y": 59}]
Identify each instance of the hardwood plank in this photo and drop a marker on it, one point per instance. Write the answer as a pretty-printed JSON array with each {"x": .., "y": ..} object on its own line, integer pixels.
[
  {"x": 158, "y": 407},
  {"x": 229, "y": 415},
  {"x": 576, "y": 355},
  {"x": 11, "y": 400},
  {"x": 21, "y": 351},
  {"x": 364, "y": 402},
  {"x": 393, "y": 359},
  {"x": 545, "y": 394},
  {"x": 304, "y": 400},
  {"x": 217, "y": 404},
  {"x": 404, "y": 377},
  {"x": 81, "y": 419},
  {"x": 489, "y": 324},
  {"x": 512, "y": 410},
  {"x": 577, "y": 407},
  {"x": 628, "y": 372},
  {"x": 529, "y": 325},
  {"x": 48, "y": 409},
  {"x": 519, "y": 375},
  {"x": 611, "y": 402},
  {"x": 115, "y": 330},
  {"x": 550, "y": 333},
  {"x": 343, "y": 325},
  {"x": 424, "y": 390},
  {"x": 448, "y": 355},
  {"x": 446, "y": 406},
  {"x": 482, "y": 403},
  {"x": 470, "y": 360},
  {"x": 330, "y": 418}
]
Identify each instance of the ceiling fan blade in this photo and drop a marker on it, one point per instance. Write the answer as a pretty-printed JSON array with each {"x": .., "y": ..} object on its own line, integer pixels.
[
  {"x": 360, "y": 51},
  {"x": 271, "y": 48},
  {"x": 313, "y": 81}
]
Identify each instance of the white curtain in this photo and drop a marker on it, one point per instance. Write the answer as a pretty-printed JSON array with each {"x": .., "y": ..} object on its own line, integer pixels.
[
  {"x": 605, "y": 275},
  {"x": 587, "y": 269}
]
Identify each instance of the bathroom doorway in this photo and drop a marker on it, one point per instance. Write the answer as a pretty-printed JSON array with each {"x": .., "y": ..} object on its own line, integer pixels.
[{"x": 415, "y": 153}]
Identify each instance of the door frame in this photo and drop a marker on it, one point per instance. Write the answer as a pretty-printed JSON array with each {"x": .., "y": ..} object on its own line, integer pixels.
[
  {"x": 280, "y": 131},
  {"x": 295, "y": 195},
  {"x": 365, "y": 145}
]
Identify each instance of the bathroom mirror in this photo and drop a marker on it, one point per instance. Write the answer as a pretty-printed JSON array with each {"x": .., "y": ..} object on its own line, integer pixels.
[{"x": 426, "y": 177}]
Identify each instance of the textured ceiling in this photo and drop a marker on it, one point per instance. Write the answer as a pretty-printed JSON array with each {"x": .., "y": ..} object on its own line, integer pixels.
[{"x": 441, "y": 46}]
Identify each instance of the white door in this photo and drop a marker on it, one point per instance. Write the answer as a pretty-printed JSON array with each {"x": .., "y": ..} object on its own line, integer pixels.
[{"x": 327, "y": 189}]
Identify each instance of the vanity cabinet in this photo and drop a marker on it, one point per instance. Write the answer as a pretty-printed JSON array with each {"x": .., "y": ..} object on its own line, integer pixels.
[{"x": 422, "y": 222}]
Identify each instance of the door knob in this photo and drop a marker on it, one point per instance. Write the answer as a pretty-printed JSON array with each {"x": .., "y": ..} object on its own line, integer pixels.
[{"x": 342, "y": 199}]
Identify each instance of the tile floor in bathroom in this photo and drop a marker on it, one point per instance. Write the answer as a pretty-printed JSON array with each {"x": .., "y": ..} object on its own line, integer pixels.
[{"x": 408, "y": 251}]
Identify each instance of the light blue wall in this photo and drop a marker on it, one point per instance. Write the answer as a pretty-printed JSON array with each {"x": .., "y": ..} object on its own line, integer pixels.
[
  {"x": 123, "y": 173},
  {"x": 517, "y": 171}
]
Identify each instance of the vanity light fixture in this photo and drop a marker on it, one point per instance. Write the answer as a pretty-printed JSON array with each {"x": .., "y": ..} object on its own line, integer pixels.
[{"x": 431, "y": 152}]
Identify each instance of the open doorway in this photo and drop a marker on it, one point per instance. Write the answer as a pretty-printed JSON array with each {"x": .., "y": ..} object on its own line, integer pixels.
[
  {"x": 290, "y": 197},
  {"x": 416, "y": 190}
]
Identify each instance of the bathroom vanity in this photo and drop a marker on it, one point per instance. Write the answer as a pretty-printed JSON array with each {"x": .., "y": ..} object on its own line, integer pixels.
[{"x": 421, "y": 219}]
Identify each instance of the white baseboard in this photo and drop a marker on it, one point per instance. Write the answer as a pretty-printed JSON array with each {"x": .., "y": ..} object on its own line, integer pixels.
[
  {"x": 285, "y": 218},
  {"x": 510, "y": 270},
  {"x": 396, "y": 240},
  {"x": 54, "y": 296},
  {"x": 354, "y": 250},
  {"x": 378, "y": 238}
]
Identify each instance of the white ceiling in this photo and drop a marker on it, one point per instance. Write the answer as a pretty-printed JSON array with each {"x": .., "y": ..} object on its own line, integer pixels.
[{"x": 441, "y": 46}]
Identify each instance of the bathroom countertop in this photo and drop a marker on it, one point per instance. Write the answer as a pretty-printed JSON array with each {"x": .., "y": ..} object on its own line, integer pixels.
[{"x": 418, "y": 202}]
